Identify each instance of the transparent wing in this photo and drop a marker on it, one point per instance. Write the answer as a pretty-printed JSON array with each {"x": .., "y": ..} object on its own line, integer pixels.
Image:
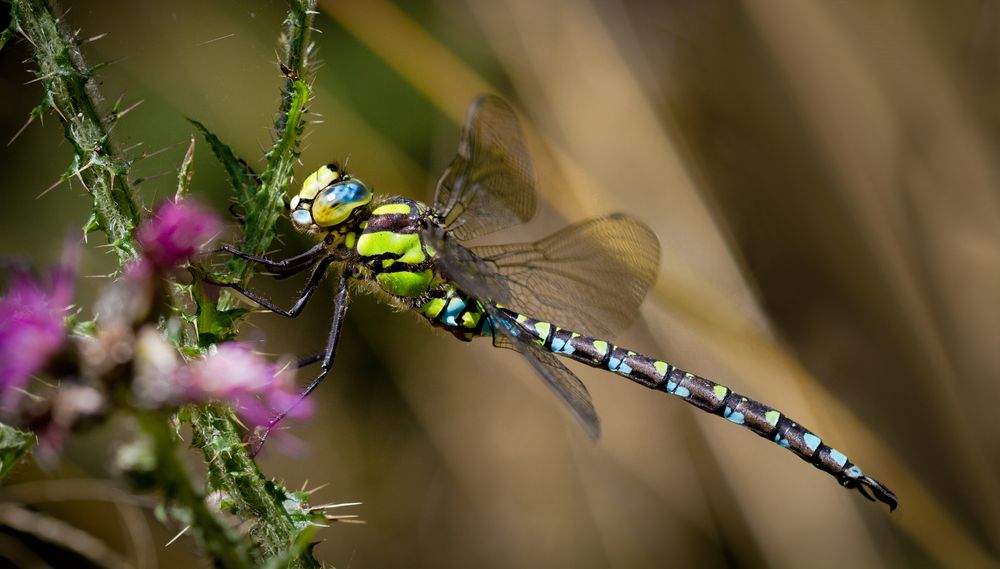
[
  {"x": 567, "y": 387},
  {"x": 590, "y": 277},
  {"x": 490, "y": 183},
  {"x": 471, "y": 273},
  {"x": 479, "y": 278}
]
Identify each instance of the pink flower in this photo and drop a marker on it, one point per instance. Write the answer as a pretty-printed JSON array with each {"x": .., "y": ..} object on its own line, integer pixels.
[
  {"x": 32, "y": 324},
  {"x": 256, "y": 388},
  {"x": 177, "y": 230}
]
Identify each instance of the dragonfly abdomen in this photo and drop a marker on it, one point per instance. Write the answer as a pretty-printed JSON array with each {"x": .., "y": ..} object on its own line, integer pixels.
[
  {"x": 463, "y": 316},
  {"x": 708, "y": 396}
]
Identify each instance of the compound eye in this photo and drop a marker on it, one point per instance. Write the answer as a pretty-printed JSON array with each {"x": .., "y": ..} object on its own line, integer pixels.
[
  {"x": 302, "y": 217},
  {"x": 335, "y": 202},
  {"x": 318, "y": 180}
]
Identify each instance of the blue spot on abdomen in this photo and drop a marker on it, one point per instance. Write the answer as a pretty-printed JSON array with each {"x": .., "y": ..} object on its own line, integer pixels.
[{"x": 812, "y": 441}]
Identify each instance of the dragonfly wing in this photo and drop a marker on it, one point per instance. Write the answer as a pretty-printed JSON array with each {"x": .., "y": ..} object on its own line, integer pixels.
[
  {"x": 490, "y": 184},
  {"x": 590, "y": 277},
  {"x": 567, "y": 386},
  {"x": 472, "y": 274}
]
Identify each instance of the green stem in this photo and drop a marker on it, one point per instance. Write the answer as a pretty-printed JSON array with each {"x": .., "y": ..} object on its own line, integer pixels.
[
  {"x": 70, "y": 92},
  {"x": 295, "y": 40},
  {"x": 268, "y": 203},
  {"x": 231, "y": 469},
  {"x": 221, "y": 542},
  {"x": 253, "y": 497}
]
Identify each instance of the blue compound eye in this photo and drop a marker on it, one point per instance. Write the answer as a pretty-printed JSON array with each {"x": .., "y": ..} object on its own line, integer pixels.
[
  {"x": 348, "y": 192},
  {"x": 335, "y": 202},
  {"x": 302, "y": 217}
]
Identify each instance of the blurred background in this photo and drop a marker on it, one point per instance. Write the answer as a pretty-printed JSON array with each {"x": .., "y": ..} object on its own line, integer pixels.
[{"x": 822, "y": 178}]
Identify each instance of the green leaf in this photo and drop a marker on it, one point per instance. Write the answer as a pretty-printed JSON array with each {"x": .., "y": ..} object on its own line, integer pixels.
[
  {"x": 241, "y": 176},
  {"x": 14, "y": 444},
  {"x": 214, "y": 324},
  {"x": 6, "y": 35},
  {"x": 185, "y": 173}
]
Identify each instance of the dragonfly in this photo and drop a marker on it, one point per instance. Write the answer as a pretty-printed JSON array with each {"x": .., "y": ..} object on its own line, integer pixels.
[{"x": 552, "y": 299}]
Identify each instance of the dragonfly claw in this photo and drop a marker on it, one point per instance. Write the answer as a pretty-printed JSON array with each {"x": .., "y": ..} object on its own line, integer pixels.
[
  {"x": 873, "y": 490},
  {"x": 255, "y": 440}
]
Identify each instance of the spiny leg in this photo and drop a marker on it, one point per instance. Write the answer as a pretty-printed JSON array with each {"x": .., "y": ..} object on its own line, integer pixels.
[
  {"x": 339, "y": 311},
  {"x": 286, "y": 267},
  {"x": 296, "y": 308},
  {"x": 308, "y": 361}
]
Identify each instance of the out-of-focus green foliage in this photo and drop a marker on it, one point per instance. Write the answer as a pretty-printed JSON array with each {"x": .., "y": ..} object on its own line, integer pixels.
[{"x": 14, "y": 445}]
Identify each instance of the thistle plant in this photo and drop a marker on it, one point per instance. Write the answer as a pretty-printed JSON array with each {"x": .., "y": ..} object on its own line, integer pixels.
[{"x": 161, "y": 351}]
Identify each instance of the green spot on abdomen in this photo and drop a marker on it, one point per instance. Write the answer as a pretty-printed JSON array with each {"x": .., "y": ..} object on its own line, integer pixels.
[
  {"x": 471, "y": 319},
  {"x": 720, "y": 391},
  {"x": 432, "y": 308},
  {"x": 772, "y": 417},
  {"x": 543, "y": 328},
  {"x": 661, "y": 368},
  {"x": 405, "y": 283}
]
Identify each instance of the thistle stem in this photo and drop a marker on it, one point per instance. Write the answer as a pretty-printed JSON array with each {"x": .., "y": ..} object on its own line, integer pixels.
[{"x": 70, "y": 92}]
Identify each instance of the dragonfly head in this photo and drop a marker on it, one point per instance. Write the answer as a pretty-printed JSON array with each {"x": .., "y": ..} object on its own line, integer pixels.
[{"x": 328, "y": 198}]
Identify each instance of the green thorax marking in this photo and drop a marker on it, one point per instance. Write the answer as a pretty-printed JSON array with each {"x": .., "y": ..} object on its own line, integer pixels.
[{"x": 390, "y": 246}]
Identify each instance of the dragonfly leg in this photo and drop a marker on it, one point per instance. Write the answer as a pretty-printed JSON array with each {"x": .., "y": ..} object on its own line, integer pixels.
[
  {"x": 310, "y": 360},
  {"x": 296, "y": 308},
  {"x": 339, "y": 311},
  {"x": 285, "y": 267}
]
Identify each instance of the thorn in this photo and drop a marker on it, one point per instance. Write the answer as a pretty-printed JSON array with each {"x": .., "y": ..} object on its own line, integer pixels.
[
  {"x": 115, "y": 115},
  {"x": 131, "y": 148},
  {"x": 332, "y": 506},
  {"x": 50, "y": 188},
  {"x": 150, "y": 178},
  {"x": 29, "y": 394},
  {"x": 41, "y": 78},
  {"x": 60, "y": 113},
  {"x": 346, "y": 520},
  {"x": 31, "y": 119},
  {"x": 282, "y": 369},
  {"x": 79, "y": 177},
  {"x": 118, "y": 101},
  {"x": 178, "y": 536},
  {"x": 314, "y": 490},
  {"x": 160, "y": 151},
  {"x": 220, "y": 38},
  {"x": 95, "y": 38},
  {"x": 104, "y": 64}
]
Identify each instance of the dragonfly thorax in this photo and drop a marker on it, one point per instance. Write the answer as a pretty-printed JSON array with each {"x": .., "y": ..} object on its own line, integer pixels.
[{"x": 391, "y": 246}]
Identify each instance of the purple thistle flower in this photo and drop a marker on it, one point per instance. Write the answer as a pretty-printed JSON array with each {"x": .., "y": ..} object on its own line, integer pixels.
[
  {"x": 32, "y": 324},
  {"x": 257, "y": 388},
  {"x": 176, "y": 231}
]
